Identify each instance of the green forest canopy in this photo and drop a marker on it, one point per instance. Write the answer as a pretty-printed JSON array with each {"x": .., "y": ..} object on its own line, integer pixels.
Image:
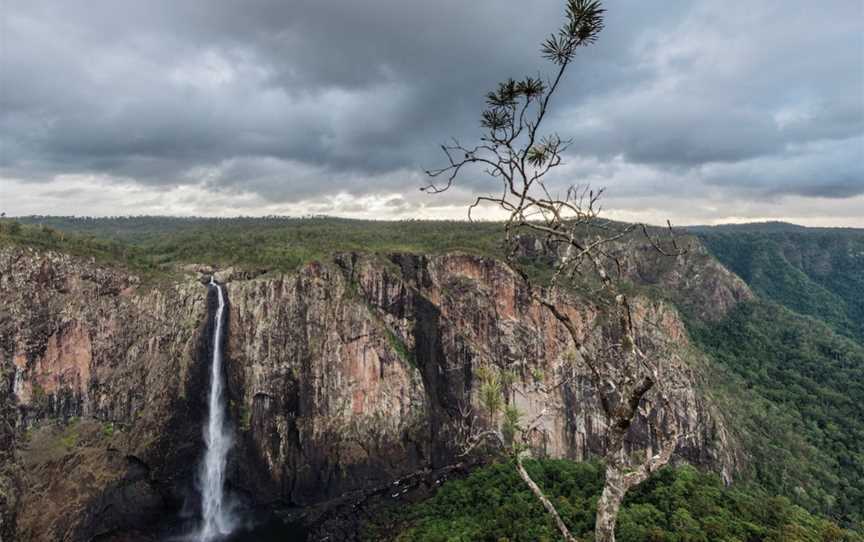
[{"x": 676, "y": 505}]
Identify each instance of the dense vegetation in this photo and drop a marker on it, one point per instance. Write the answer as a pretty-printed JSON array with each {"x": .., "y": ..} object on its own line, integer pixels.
[
  {"x": 676, "y": 505},
  {"x": 791, "y": 381},
  {"x": 794, "y": 390},
  {"x": 103, "y": 250},
  {"x": 813, "y": 271},
  {"x": 276, "y": 243}
]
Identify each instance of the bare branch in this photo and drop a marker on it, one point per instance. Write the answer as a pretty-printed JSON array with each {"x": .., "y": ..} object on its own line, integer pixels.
[
  {"x": 547, "y": 504},
  {"x": 585, "y": 251}
]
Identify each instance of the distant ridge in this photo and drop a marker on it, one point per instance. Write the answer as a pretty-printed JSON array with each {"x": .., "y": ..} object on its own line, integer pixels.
[{"x": 767, "y": 227}]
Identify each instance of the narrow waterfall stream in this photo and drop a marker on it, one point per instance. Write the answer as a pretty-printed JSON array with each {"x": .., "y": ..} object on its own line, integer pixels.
[{"x": 217, "y": 521}]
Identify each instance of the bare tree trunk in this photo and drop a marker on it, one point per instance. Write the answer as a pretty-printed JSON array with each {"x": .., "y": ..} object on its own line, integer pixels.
[
  {"x": 616, "y": 483},
  {"x": 550, "y": 508},
  {"x": 609, "y": 504},
  {"x": 621, "y": 476}
]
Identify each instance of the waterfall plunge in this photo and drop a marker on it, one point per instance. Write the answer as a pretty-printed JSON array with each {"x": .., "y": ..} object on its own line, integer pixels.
[{"x": 216, "y": 515}]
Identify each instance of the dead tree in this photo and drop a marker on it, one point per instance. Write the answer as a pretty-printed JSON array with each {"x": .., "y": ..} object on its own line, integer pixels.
[{"x": 514, "y": 152}]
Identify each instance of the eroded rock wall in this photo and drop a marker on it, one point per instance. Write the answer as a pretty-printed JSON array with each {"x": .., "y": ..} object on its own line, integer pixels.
[
  {"x": 355, "y": 373},
  {"x": 80, "y": 341},
  {"x": 345, "y": 375}
]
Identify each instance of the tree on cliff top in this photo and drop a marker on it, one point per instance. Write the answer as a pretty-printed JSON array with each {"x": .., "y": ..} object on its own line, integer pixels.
[{"x": 514, "y": 152}]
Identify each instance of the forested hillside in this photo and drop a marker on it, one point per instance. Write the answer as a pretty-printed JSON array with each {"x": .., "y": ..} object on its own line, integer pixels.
[
  {"x": 791, "y": 364},
  {"x": 794, "y": 390},
  {"x": 813, "y": 271}
]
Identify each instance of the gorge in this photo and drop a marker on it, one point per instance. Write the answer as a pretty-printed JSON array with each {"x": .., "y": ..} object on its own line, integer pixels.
[
  {"x": 343, "y": 377},
  {"x": 345, "y": 381}
]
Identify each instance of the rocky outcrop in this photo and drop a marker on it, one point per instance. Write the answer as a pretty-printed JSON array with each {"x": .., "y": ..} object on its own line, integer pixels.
[
  {"x": 343, "y": 376},
  {"x": 686, "y": 275},
  {"x": 694, "y": 281},
  {"x": 81, "y": 484}
]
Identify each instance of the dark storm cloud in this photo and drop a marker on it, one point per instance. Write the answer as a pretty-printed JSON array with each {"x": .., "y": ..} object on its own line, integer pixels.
[{"x": 291, "y": 100}]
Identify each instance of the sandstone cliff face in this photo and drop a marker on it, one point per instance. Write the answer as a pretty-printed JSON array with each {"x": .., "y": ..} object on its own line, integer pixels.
[
  {"x": 694, "y": 280},
  {"x": 343, "y": 376},
  {"x": 81, "y": 341},
  {"x": 352, "y": 375}
]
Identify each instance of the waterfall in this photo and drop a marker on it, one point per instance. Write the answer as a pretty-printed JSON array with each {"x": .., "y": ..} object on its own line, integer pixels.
[{"x": 216, "y": 515}]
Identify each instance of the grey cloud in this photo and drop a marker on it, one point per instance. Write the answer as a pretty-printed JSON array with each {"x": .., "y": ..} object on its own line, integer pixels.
[
  {"x": 828, "y": 169},
  {"x": 290, "y": 100}
]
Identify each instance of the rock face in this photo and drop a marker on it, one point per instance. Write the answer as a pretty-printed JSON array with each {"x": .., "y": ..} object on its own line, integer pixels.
[
  {"x": 343, "y": 376},
  {"x": 694, "y": 280},
  {"x": 81, "y": 341},
  {"x": 9, "y": 476}
]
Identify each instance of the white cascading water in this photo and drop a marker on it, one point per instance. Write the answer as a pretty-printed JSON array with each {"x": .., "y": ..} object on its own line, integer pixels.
[{"x": 217, "y": 521}]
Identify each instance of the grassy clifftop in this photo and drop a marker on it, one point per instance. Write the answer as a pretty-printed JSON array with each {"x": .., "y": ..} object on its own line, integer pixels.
[{"x": 273, "y": 243}]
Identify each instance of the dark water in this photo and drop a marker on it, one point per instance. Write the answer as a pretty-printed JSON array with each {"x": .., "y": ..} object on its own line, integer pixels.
[
  {"x": 271, "y": 532},
  {"x": 269, "y": 528}
]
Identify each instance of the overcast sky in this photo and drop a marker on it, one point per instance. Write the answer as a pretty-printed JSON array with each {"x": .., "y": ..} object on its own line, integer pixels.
[{"x": 699, "y": 111}]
